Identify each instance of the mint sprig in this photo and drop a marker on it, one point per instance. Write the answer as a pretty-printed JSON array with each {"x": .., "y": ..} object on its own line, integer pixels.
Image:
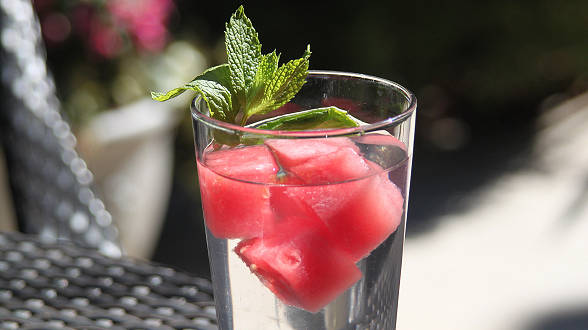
[{"x": 251, "y": 82}]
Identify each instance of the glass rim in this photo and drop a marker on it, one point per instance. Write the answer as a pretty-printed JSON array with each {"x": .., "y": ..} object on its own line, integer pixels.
[{"x": 368, "y": 127}]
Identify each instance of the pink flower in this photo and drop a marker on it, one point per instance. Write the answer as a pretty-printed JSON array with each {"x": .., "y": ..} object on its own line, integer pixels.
[
  {"x": 144, "y": 19},
  {"x": 105, "y": 39}
]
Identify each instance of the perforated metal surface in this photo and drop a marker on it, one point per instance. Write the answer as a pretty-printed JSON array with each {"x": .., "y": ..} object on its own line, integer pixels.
[
  {"x": 61, "y": 286},
  {"x": 51, "y": 184}
]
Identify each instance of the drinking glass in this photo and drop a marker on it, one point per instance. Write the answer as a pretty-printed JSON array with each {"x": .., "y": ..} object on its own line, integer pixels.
[{"x": 305, "y": 229}]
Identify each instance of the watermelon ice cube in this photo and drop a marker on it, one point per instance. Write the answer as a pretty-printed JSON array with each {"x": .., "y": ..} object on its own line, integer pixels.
[
  {"x": 252, "y": 163},
  {"x": 297, "y": 262},
  {"x": 361, "y": 212},
  {"x": 325, "y": 200},
  {"x": 235, "y": 195},
  {"x": 317, "y": 161},
  {"x": 365, "y": 220},
  {"x": 295, "y": 152},
  {"x": 360, "y": 215}
]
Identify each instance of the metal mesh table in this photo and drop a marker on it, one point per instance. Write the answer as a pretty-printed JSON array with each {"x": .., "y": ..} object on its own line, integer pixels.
[{"x": 64, "y": 286}]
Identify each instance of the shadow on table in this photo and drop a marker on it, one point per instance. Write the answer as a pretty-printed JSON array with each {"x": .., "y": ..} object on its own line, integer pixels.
[{"x": 576, "y": 319}]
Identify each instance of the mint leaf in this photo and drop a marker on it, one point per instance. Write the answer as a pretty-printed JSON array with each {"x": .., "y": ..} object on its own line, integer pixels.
[
  {"x": 217, "y": 97},
  {"x": 268, "y": 64},
  {"x": 244, "y": 53},
  {"x": 286, "y": 82},
  {"x": 320, "y": 118},
  {"x": 280, "y": 86},
  {"x": 211, "y": 85}
]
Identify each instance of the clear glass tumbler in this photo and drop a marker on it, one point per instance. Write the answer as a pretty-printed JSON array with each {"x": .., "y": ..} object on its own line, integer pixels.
[{"x": 305, "y": 229}]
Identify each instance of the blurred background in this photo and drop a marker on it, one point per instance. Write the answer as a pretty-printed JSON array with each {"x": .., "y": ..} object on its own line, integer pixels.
[{"x": 500, "y": 169}]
